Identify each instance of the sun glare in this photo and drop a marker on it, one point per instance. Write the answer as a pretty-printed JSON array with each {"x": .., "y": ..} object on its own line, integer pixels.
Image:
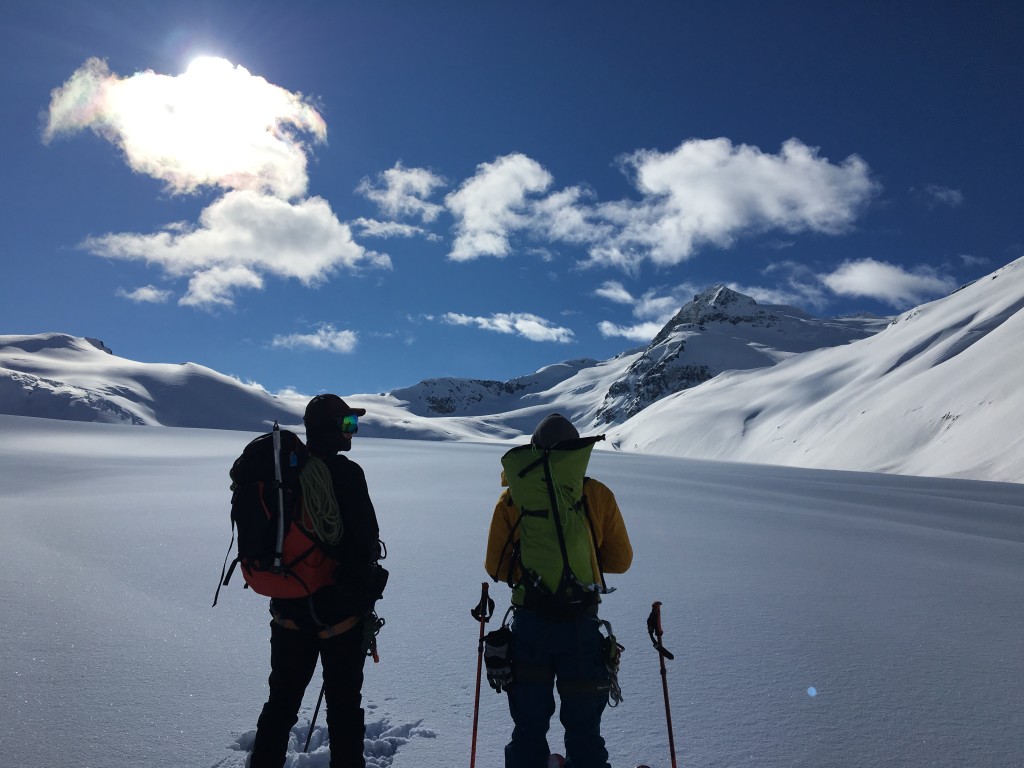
[
  {"x": 209, "y": 66},
  {"x": 217, "y": 123}
]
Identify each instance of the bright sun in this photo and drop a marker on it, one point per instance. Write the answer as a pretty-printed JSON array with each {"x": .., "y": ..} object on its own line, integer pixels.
[{"x": 216, "y": 123}]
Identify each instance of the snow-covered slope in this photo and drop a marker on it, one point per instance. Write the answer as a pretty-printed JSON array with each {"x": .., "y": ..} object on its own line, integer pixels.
[
  {"x": 937, "y": 393},
  {"x": 54, "y": 375},
  {"x": 818, "y": 619}
]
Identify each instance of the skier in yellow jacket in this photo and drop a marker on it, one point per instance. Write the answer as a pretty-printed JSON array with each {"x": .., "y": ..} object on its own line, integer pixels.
[{"x": 548, "y": 648}]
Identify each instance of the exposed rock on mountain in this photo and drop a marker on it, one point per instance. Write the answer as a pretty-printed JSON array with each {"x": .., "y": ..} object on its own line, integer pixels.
[{"x": 721, "y": 330}]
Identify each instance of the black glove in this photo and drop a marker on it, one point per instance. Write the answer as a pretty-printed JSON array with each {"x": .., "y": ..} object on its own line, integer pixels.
[
  {"x": 498, "y": 659},
  {"x": 378, "y": 579}
]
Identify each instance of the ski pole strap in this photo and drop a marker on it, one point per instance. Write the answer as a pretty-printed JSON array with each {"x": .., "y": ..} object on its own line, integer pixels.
[
  {"x": 225, "y": 573},
  {"x": 655, "y": 631},
  {"x": 485, "y": 608}
]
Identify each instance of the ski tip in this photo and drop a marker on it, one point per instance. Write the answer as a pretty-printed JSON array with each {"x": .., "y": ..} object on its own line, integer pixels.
[{"x": 556, "y": 761}]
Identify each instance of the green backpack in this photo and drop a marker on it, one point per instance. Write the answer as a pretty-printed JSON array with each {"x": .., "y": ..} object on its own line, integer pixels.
[{"x": 556, "y": 536}]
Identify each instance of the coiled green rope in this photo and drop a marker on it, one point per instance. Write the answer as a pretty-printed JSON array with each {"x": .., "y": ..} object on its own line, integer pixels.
[{"x": 320, "y": 502}]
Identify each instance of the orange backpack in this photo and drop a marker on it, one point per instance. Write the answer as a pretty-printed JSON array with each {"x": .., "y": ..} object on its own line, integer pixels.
[{"x": 277, "y": 549}]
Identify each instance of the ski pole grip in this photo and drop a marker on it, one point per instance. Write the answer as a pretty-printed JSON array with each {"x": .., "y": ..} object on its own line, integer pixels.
[
  {"x": 485, "y": 608},
  {"x": 655, "y": 631}
]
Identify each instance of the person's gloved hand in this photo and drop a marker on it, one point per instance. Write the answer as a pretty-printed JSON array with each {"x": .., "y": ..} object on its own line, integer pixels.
[{"x": 498, "y": 659}]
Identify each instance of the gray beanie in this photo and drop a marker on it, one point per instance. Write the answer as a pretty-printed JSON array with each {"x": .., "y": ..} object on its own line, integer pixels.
[{"x": 553, "y": 429}]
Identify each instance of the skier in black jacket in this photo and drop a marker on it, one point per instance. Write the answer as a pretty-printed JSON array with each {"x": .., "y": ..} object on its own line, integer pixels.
[{"x": 330, "y": 624}]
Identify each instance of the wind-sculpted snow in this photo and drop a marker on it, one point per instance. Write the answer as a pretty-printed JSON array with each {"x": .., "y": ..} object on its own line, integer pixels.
[
  {"x": 38, "y": 396},
  {"x": 380, "y": 745}
]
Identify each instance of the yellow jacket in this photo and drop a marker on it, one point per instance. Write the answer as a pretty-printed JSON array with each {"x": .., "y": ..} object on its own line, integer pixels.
[{"x": 613, "y": 547}]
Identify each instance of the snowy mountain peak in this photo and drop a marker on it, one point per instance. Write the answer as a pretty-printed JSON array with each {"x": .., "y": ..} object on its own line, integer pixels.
[
  {"x": 720, "y": 330},
  {"x": 716, "y": 304},
  {"x": 720, "y": 299},
  {"x": 53, "y": 343}
]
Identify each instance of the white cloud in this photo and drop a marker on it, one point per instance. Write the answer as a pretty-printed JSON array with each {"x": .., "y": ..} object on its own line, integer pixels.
[
  {"x": 386, "y": 229},
  {"x": 401, "y": 191},
  {"x": 240, "y": 236},
  {"x": 642, "y": 332},
  {"x": 494, "y": 203},
  {"x": 653, "y": 306},
  {"x": 523, "y": 324},
  {"x": 796, "y": 285},
  {"x": 939, "y": 195},
  {"x": 970, "y": 260},
  {"x": 892, "y": 284},
  {"x": 326, "y": 338},
  {"x": 544, "y": 254},
  {"x": 712, "y": 192},
  {"x": 213, "y": 125},
  {"x": 564, "y": 216},
  {"x": 704, "y": 192},
  {"x": 216, "y": 286},
  {"x": 147, "y": 294},
  {"x": 614, "y": 291},
  {"x": 780, "y": 295}
]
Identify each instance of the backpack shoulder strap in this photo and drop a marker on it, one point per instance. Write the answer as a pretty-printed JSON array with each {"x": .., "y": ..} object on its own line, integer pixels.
[{"x": 509, "y": 543}]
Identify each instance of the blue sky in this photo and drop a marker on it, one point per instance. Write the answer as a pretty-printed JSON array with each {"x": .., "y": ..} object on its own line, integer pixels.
[{"x": 354, "y": 196}]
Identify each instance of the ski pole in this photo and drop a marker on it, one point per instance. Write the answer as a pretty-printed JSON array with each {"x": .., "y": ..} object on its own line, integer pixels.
[
  {"x": 312, "y": 722},
  {"x": 481, "y": 613},
  {"x": 655, "y": 631}
]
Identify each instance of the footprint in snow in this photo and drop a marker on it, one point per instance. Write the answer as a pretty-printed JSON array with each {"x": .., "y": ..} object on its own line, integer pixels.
[{"x": 380, "y": 744}]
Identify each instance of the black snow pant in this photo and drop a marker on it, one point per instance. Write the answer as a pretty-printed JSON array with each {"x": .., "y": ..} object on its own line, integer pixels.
[{"x": 293, "y": 656}]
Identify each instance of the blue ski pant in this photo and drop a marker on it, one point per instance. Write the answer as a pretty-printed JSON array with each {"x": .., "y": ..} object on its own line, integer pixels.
[
  {"x": 293, "y": 657},
  {"x": 567, "y": 653}
]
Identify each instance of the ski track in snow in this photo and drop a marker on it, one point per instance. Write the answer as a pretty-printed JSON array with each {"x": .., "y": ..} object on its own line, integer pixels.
[{"x": 380, "y": 745}]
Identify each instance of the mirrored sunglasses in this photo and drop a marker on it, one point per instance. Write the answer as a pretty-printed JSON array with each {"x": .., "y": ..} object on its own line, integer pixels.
[{"x": 349, "y": 425}]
